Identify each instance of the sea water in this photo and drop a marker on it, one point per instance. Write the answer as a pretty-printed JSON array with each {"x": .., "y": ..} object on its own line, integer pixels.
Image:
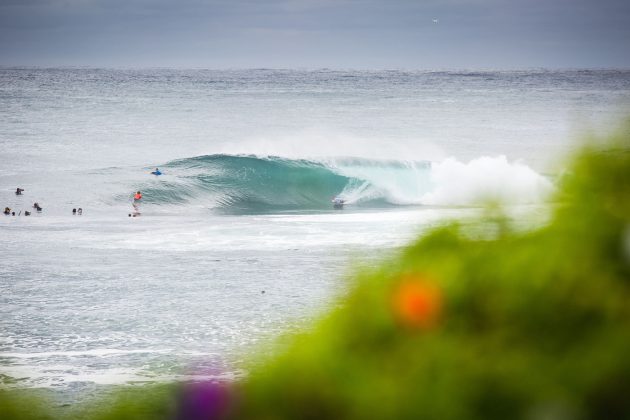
[{"x": 237, "y": 242}]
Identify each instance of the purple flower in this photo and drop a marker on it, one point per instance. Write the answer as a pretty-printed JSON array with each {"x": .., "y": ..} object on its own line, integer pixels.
[{"x": 204, "y": 401}]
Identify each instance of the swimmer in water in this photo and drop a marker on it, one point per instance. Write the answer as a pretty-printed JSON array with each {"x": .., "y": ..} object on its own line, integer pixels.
[
  {"x": 137, "y": 197},
  {"x": 19, "y": 191},
  {"x": 156, "y": 172}
]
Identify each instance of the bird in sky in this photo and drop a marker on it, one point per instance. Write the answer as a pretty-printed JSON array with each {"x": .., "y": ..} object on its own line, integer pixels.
[{"x": 436, "y": 21}]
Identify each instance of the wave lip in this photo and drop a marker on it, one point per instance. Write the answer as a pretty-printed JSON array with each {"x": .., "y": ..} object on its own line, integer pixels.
[{"x": 254, "y": 184}]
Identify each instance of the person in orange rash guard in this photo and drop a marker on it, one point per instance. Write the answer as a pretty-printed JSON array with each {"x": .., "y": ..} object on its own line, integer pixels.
[{"x": 136, "y": 200}]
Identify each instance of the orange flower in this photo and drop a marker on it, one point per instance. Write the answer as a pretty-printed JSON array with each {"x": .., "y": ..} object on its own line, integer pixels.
[{"x": 417, "y": 302}]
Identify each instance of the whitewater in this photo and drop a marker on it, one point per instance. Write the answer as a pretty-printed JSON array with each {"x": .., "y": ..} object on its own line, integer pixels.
[{"x": 238, "y": 240}]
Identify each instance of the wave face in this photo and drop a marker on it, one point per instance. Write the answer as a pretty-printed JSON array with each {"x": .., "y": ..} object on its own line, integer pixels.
[{"x": 246, "y": 183}]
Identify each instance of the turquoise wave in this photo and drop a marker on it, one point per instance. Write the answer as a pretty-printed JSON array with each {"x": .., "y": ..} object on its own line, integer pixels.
[{"x": 251, "y": 184}]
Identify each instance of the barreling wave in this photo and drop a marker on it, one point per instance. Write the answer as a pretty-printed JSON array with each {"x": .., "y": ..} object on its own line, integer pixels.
[{"x": 247, "y": 183}]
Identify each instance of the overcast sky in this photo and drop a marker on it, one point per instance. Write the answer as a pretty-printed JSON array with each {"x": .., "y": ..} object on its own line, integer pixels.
[{"x": 316, "y": 33}]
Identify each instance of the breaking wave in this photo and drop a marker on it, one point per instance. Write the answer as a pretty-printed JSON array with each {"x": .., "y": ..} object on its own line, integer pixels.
[{"x": 247, "y": 183}]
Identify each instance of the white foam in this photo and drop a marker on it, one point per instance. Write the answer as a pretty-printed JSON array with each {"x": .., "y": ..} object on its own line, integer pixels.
[
  {"x": 485, "y": 179},
  {"x": 94, "y": 352},
  {"x": 60, "y": 375}
]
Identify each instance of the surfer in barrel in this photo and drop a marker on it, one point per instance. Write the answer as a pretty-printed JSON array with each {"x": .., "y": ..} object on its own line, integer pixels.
[{"x": 338, "y": 202}]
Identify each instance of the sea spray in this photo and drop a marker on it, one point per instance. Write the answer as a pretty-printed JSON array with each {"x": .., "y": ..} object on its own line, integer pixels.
[{"x": 485, "y": 179}]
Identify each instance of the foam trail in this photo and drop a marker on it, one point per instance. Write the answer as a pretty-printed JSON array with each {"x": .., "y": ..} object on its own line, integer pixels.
[{"x": 93, "y": 352}]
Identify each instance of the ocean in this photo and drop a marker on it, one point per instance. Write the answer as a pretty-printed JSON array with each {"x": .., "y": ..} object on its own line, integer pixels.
[{"x": 237, "y": 241}]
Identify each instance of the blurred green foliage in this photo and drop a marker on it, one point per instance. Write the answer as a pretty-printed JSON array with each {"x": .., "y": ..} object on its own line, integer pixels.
[
  {"x": 522, "y": 325},
  {"x": 532, "y": 325},
  {"x": 124, "y": 402},
  {"x": 17, "y": 404}
]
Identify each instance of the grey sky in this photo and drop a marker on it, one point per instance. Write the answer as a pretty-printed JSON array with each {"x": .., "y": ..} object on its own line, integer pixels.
[{"x": 316, "y": 33}]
